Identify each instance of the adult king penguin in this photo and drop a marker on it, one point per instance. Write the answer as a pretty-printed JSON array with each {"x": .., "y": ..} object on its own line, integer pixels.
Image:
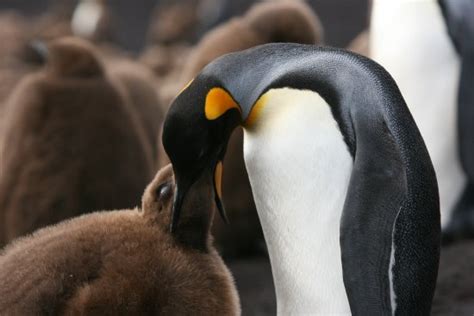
[
  {"x": 411, "y": 38},
  {"x": 345, "y": 190}
]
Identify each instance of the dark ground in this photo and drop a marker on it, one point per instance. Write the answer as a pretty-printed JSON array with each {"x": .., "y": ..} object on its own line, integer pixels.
[
  {"x": 454, "y": 294},
  {"x": 255, "y": 285}
]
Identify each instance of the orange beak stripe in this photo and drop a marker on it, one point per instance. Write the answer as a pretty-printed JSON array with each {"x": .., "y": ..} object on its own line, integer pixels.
[{"x": 218, "y": 179}]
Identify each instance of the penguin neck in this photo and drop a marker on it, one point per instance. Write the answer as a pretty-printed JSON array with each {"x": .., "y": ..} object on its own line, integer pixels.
[{"x": 299, "y": 168}]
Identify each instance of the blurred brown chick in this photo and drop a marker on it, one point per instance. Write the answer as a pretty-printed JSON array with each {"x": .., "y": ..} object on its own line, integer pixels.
[
  {"x": 18, "y": 56},
  {"x": 122, "y": 262},
  {"x": 265, "y": 22},
  {"x": 174, "y": 21},
  {"x": 73, "y": 144},
  {"x": 276, "y": 21}
]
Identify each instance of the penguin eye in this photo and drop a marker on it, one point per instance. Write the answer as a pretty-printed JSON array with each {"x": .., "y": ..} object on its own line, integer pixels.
[{"x": 163, "y": 191}]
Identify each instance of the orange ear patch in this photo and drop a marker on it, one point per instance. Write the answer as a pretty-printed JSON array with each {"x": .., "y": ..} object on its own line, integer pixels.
[{"x": 218, "y": 101}]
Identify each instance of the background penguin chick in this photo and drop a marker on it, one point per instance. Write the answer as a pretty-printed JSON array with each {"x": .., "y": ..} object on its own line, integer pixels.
[
  {"x": 13, "y": 30},
  {"x": 286, "y": 21},
  {"x": 174, "y": 22},
  {"x": 71, "y": 57},
  {"x": 72, "y": 144},
  {"x": 18, "y": 56},
  {"x": 266, "y": 22},
  {"x": 119, "y": 262}
]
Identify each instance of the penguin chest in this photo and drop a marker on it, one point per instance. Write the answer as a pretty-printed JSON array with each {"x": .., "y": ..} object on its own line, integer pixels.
[{"x": 299, "y": 168}]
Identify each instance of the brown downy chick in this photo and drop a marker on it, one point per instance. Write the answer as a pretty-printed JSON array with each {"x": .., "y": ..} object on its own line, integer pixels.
[
  {"x": 174, "y": 22},
  {"x": 285, "y": 21},
  {"x": 275, "y": 21},
  {"x": 122, "y": 262},
  {"x": 72, "y": 144},
  {"x": 13, "y": 34},
  {"x": 18, "y": 56}
]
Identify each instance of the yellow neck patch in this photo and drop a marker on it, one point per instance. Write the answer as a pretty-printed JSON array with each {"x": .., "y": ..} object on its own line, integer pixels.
[
  {"x": 218, "y": 101},
  {"x": 256, "y": 111}
]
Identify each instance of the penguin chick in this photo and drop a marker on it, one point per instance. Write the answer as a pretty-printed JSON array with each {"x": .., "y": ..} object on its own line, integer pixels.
[
  {"x": 122, "y": 262},
  {"x": 174, "y": 22},
  {"x": 19, "y": 54},
  {"x": 72, "y": 144},
  {"x": 285, "y": 21},
  {"x": 13, "y": 33},
  {"x": 266, "y": 22}
]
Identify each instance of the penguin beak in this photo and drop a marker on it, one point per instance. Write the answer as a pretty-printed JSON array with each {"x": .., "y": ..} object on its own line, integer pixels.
[
  {"x": 183, "y": 186},
  {"x": 218, "y": 191}
]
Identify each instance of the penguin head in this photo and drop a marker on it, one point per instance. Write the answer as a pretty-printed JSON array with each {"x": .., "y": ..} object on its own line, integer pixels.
[
  {"x": 202, "y": 117},
  {"x": 72, "y": 57}
]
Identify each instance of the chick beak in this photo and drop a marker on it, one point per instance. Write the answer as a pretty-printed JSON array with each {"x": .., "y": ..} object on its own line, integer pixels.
[{"x": 218, "y": 191}]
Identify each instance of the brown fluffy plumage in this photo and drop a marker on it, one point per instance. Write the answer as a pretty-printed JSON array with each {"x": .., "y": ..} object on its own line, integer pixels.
[
  {"x": 174, "y": 21},
  {"x": 265, "y": 22},
  {"x": 72, "y": 144},
  {"x": 122, "y": 262}
]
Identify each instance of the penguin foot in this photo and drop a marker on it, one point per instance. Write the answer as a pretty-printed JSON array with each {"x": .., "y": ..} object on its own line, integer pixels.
[{"x": 461, "y": 224}]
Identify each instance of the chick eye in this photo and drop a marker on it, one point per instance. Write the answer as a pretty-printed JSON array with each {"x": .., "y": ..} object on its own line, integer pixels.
[{"x": 163, "y": 191}]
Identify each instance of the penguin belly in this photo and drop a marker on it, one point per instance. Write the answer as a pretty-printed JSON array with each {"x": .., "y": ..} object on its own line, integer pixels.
[
  {"x": 409, "y": 38},
  {"x": 299, "y": 168}
]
